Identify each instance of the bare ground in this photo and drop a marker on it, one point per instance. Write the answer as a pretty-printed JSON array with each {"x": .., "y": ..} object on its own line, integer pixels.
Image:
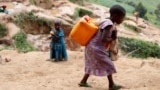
[{"x": 31, "y": 71}]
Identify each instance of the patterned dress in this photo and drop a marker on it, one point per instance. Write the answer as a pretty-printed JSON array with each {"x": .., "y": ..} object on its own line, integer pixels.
[
  {"x": 96, "y": 60},
  {"x": 58, "y": 48}
]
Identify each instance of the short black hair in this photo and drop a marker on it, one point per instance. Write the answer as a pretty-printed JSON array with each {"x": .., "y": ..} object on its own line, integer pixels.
[{"x": 117, "y": 9}]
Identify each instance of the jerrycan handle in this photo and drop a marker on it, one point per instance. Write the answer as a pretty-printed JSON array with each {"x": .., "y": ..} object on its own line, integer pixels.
[{"x": 86, "y": 18}]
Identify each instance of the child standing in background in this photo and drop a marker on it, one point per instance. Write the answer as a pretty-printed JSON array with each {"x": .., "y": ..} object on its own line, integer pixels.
[
  {"x": 57, "y": 45},
  {"x": 3, "y": 9},
  {"x": 96, "y": 60}
]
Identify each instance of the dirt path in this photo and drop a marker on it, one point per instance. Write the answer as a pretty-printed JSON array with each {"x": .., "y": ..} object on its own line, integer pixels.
[{"x": 31, "y": 71}]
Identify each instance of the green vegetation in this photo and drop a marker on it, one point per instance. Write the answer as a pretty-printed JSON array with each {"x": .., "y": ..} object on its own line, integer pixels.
[
  {"x": 6, "y": 48},
  {"x": 143, "y": 49},
  {"x": 141, "y": 10},
  {"x": 109, "y": 3},
  {"x": 28, "y": 21},
  {"x": 72, "y": 1},
  {"x": 3, "y": 30},
  {"x": 129, "y": 5},
  {"x": 32, "y": 2},
  {"x": 79, "y": 2},
  {"x": 30, "y": 17},
  {"x": 157, "y": 11},
  {"x": 21, "y": 43},
  {"x": 130, "y": 27},
  {"x": 79, "y": 12}
]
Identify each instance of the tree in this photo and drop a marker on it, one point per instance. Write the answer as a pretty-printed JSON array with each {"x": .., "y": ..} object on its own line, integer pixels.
[
  {"x": 141, "y": 10},
  {"x": 157, "y": 11}
]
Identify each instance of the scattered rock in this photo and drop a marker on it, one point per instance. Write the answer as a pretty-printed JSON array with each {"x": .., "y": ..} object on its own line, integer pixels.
[
  {"x": 7, "y": 59},
  {"x": 2, "y": 61}
]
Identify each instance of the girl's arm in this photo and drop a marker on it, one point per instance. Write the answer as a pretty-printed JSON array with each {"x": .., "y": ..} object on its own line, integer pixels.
[
  {"x": 114, "y": 46},
  {"x": 49, "y": 37},
  {"x": 106, "y": 34},
  {"x": 114, "y": 34}
]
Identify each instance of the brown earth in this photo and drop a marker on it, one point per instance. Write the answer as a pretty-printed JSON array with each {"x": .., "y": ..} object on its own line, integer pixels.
[{"x": 31, "y": 71}]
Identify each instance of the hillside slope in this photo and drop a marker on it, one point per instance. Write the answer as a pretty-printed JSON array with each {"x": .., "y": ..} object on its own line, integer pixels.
[{"x": 31, "y": 71}]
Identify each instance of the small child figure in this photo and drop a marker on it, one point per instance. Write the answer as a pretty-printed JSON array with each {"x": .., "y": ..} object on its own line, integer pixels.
[
  {"x": 3, "y": 9},
  {"x": 57, "y": 45},
  {"x": 136, "y": 14}
]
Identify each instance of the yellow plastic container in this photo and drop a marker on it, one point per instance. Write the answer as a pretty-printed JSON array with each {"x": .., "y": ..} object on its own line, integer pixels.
[{"x": 83, "y": 31}]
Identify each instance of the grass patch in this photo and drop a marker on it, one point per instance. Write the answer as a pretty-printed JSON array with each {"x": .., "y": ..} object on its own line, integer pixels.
[
  {"x": 109, "y": 3},
  {"x": 3, "y": 30},
  {"x": 79, "y": 12},
  {"x": 130, "y": 27},
  {"x": 32, "y": 2},
  {"x": 21, "y": 43},
  {"x": 6, "y": 48},
  {"x": 144, "y": 49},
  {"x": 29, "y": 22},
  {"x": 129, "y": 6},
  {"x": 79, "y": 2}
]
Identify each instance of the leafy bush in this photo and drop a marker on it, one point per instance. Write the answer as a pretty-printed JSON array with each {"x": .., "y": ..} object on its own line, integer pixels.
[
  {"x": 3, "y": 30},
  {"x": 119, "y": 1},
  {"x": 146, "y": 18},
  {"x": 79, "y": 12},
  {"x": 144, "y": 49},
  {"x": 131, "y": 3},
  {"x": 142, "y": 10},
  {"x": 21, "y": 43},
  {"x": 157, "y": 11},
  {"x": 28, "y": 21}
]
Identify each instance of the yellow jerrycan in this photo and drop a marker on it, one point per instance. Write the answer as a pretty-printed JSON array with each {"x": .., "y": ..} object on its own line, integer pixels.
[{"x": 84, "y": 30}]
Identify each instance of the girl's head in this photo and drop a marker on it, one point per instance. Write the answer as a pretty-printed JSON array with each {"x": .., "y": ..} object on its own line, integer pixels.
[
  {"x": 117, "y": 13},
  {"x": 57, "y": 24}
]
